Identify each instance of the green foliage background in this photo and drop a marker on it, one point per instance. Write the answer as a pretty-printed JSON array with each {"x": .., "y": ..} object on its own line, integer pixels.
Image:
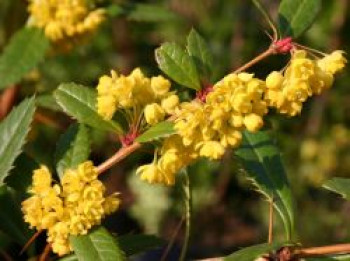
[{"x": 227, "y": 213}]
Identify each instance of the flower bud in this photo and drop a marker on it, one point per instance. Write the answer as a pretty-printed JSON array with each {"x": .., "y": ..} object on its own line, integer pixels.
[
  {"x": 170, "y": 103},
  {"x": 154, "y": 113},
  {"x": 160, "y": 85},
  {"x": 274, "y": 80},
  {"x": 253, "y": 122}
]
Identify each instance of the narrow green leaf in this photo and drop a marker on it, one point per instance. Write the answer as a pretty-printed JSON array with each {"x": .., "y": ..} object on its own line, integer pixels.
[
  {"x": 200, "y": 53},
  {"x": 253, "y": 252},
  {"x": 340, "y": 186},
  {"x": 13, "y": 131},
  {"x": 79, "y": 102},
  {"x": 97, "y": 245},
  {"x": 262, "y": 161},
  {"x": 47, "y": 101},
  {"x": 20, "y": 177},
  {"x": 136, "y": 244},
  {"x": 11, "y": 220},
  {"x": 160, "y": 130},
  {"x": 296, "y": 16},
  {"x": 23, "y": 53},
  {"x": 178, "y": 65},
  {"x": 72, "y": 148}
]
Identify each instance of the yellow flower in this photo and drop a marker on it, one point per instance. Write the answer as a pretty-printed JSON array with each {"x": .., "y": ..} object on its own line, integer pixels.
[
  {"x": 211, "y": 149},
  {"x": 154, "y": 113},
  {"x": 160, "y": 86},
  {"x": 253, "y": 122},
  {"x": 41, "y": 180},
  {"x": 170, "y": 103},
  {"x": 274, "y": 80},
  {"x": 111, "y": 204},
  {"x": 106, "y": 106},
  {"x": 333, "y": 62},
  {"x": 152, "y": 174}
]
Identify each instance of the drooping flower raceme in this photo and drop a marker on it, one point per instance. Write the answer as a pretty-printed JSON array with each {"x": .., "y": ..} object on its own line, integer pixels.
[
  {"x": 303, "y": 78},
  {"x": 70, "y": 208},
  {"x": 64, "y": 20}
]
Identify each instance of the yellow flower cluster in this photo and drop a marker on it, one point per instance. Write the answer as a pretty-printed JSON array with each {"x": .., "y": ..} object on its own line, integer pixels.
[
  {"x": 135, "y": 91},
  {"x": 303, "y": 78},
  {"x": 207, "y": 129},
  {"x": 71, "y": 208},
  {"x": 64, "y": 19}
]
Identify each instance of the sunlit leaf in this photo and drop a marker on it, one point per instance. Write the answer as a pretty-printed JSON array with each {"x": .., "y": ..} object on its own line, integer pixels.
[{"x": 160, "y": 130}]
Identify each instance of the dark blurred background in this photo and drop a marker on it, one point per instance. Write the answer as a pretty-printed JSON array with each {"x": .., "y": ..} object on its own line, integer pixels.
[{"x": 228, "y": 213}]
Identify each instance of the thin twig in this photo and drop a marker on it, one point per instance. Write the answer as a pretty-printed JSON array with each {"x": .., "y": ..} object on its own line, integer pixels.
[
  {"x": 46, "y": 252},
  {"x": 321, "y": 251},
  {"x": 118, "y": 156},
  {"x": 7, "y": 100},
  {"x": 257, "y": 59},
  {"x": 30, "y": 241},
  {"x": 270, "y": 237},
  {"x": 172, "y": 239}
]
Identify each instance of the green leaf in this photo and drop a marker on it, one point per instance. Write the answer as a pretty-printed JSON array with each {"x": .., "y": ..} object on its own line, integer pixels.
[
  {"x": 296, "y": 16},
  {"x": 79, "y": 102},
  {"x": 135, "y": 244},
  {"x": 340, "y": 186},
  {"x": 47, "y": 101},
  {"x": 11, "y": 220},
  {"x": 97, "y": 245},
  {"x": 69, "y": 258},
  {"x": 253, "y": 252},
  {"x": 72, "y": 148},
  {"x": 200, "y": 53},
  {"x": 262, "y": 161},
  {"x": 13, "y": 131},
  {"x": 178, "y": 65},
  {"x": 23, "y": 53},
  {"x": 20, "y": 177},
  {"x": 160, "y": 130}
]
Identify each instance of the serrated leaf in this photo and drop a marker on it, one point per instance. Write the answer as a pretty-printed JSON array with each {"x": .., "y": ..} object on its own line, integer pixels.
[
  {"x": 79, "y": 102},
  {"x": 340, "y": 186},
  {"x": 20, "y": 177},
  {"x": 72, "y": 148},
  {"x": 160, "y": 130},
  {"x": 178, "y": 65},
  {"x": 11, "y": 220},
  {"x": 200, "y": 53},
  {"x": 296, "y": 16},
  {"x": 23, "y": 53},
  {"x": 135, "y": 244},
  {"x": 47, "y": 101},
  {"x": 97, "y": 245},
  {"x": 253, "y": 252},
  {"x": 13, "y": 131},
  {"x": 262, "y": 161}
]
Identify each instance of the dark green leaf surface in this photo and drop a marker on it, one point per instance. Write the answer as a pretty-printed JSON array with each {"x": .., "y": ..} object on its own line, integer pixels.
[
  {"x": 20, "y": 177},
  {"x": 200, "y": 53},
  {"x": 72, "y": 148},
  {"x": 178, "y": 65},
  {"x": 97, "y": 245},
  {"x": 11, "y": 220},
  {"x": 253, "y": 252},
  {"x": 296, "y": 16},
  {"x": 13, "y": 131},
  {"x": 23, "y": 53},
  {"x": 160, "y": 130},
  {"x": 135, "y": 244},
  {"x": 262, "y": 161},
  {"x": 47, "y": 101},
  {"x": 80, "y": 102},
  {"x": 340, "y": 186}
]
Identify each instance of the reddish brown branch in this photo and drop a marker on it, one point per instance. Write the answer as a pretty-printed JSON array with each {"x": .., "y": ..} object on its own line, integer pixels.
[
  {"x": 322, "y": 251},
  {"x": 46, "y": 253},
  {"x": 120, "y": 155},
  {"x": 30, "y": 241},
  {"x": 7, "y": 100}
]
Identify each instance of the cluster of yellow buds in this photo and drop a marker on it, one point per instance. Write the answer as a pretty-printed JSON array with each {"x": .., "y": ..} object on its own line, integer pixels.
[
  {"x": 135, "y": 91},
  {"x": 69, "y": 208},
  {"x": 64, "y": 19},
  {"x": 303, "y": 78}
]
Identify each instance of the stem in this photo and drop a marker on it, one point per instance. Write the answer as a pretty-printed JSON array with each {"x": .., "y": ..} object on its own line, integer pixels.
[
  {"x": 188, "y": 211},
  {"x": 172, "y": 240},
  {"x": 120, "y": 155},
  {"x": 257, "y": 59},
  {"x": 270, "y": 237},
  {"x": 46, "y": 253},
  {"x": 324, "y": 250},
  {"x": 7, "y": 100},
  {"x": 30, "y": 241}
]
